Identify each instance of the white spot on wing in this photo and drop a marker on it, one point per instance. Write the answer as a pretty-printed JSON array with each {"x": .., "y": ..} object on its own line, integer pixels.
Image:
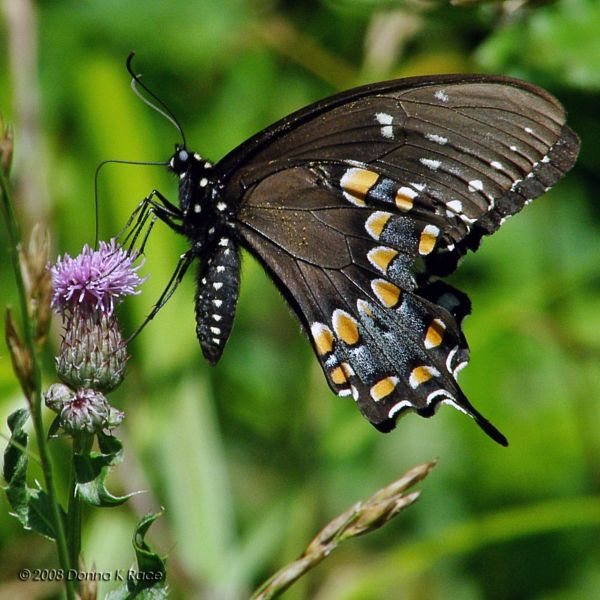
[
  {"x": 459, "y": 368},
  {"x": 496, "y": 165},
  {"x": 450, "y": 358},
  {"x": 408, "y": 192},
  {"x": 440, "y": 392},
  {"x": 434, "y": 165},
  {"x": 441, "y": 95},
  {"x": 384, "y": 118},
  {"x": 387, "y": 131},
  {"x": 475, "y": 185},
  {"x": 454, "y": 207},
  {"x": 398, "y": 407},
  {"x": 454, "y": 404},
  {"x": 438, "y": 139}
]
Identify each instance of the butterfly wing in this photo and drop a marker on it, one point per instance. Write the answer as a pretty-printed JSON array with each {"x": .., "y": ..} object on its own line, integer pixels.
[
  {"x": 390, "y": 344},
  {"x": 353, "y": 203}
]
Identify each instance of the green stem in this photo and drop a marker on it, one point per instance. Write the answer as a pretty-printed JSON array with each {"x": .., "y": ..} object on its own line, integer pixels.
[
  {"x": 35, "y": 401},
  {"x": 81, "y": 445}
]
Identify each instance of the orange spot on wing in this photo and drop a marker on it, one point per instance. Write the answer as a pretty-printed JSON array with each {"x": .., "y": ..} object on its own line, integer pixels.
[
  {"x": 383, "y": 388},
  {"x": 346, "y": 328},
  {"x": 357, "y": 183},
  {"x": 338, "y": 376},
  {"x": 421, "y": 375},
  {"x": 376, "y": 222},
  {"x": 323, "y": 338},
  {"x": 387, "y": 292},
  {"x": 382, "y": 256},
  {"x": 435, "y": 334},
  {"x": 428, "y": 239}
]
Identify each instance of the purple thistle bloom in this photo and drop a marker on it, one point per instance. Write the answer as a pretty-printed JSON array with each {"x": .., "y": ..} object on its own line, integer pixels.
[
  {"x": 95, "y": 280},
  {"x": 86, "y": 290}
]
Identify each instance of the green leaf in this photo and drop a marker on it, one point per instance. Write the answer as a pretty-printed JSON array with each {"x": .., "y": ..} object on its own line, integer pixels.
[
  {"x": 91, "y": 471},
  {"x": 15, "y": 459},
  {"x": 148, "y": 581},
  {"x": 557, "y": 42},
  {"x": 54, "y": 428},
  {"x": 32, "y": 507},
  {"x": 148, "y": 561}
]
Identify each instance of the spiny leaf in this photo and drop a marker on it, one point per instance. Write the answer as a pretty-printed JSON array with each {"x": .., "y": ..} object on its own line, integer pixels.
[
  {"x": 91, "y": 471},
  {"x": 148, "y": 582}
]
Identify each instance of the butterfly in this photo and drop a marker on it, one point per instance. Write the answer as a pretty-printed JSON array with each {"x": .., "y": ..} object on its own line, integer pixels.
[{"x": 356, "y": 206}]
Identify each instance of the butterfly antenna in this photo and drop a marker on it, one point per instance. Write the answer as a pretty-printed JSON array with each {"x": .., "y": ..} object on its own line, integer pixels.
[
  {"x": 162, "y": 109},
  {"x": 96, "y": 175}
]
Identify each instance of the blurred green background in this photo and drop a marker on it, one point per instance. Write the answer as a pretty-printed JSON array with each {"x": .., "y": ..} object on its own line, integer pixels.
[{"x": 251, "y": 457}]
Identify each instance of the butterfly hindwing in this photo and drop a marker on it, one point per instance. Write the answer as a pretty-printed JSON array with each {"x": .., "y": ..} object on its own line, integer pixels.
[{"x": 348, "y": 272}]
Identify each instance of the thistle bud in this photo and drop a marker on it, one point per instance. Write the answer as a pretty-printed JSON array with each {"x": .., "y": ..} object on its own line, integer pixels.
[
  {"x": 87, "y": 412},
  {"x": 92, "y": 353},
  {"x": 57, "y": 396}
]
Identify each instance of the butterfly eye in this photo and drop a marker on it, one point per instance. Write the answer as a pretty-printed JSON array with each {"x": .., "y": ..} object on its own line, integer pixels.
[{"x": 183, "y": 156}]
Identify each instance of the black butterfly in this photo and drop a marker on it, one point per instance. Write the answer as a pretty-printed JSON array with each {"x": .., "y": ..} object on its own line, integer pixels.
[{"x": 354, "y": 205}]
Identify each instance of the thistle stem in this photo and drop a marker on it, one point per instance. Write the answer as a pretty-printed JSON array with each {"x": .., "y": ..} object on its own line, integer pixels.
[
  {"x": 81, "y": 445},
  {"x": 35, "y": 399}
]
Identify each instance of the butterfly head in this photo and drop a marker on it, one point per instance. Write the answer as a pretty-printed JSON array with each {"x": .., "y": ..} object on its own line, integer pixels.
[
  {"x": 194, "y": 173},
  {"x": 182, "y": 161}
]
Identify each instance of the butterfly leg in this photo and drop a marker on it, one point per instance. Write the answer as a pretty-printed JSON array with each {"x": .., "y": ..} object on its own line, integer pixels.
[
  {"x": 185, "y": 261},
  {"x": 166, "y": 205},
  {"x": 164, "y": 210}
]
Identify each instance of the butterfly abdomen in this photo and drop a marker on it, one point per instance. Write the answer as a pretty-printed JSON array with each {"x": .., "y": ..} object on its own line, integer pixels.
[{"x": 216, "y": 297}]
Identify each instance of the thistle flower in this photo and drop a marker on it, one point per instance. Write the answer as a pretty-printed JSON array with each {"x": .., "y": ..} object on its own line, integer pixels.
[
  {"x": 96, "y": 280},
  {"x": 86, "y": 290}
]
